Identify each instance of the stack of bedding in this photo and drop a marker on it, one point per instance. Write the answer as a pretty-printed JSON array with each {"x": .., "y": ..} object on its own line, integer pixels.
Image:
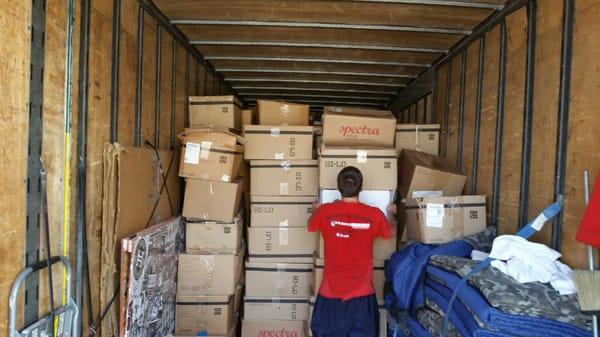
[{"x": 492, "y": 304}]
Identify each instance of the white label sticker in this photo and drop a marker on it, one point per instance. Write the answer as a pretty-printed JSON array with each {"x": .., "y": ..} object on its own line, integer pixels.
[
  {"x": 226, "y": 178},
  {"x": 539, "y": 222},
  {"x": 192, "y": 153},
  {"x": 285, "y": 109},
  {"x": 434, "y": 215},
  {"x": 284, "y": 223},
  {"x": 286, "y": 165},
  {"x": 361, "y": 156},
  {"x": 205, "y": 150},
  {"x": 279, "y": 155},
  {"x": 284, "y": 235},
  {"x": 275, "y": 132},
  {"x": 284, "y": 189}
]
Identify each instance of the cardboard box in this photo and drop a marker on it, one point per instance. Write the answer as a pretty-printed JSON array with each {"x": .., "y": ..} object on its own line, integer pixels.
[
  {"x": 278, "y": 279},
  {"x": 278, "y": 142},
  {"x": 282, "y": 113},
  {"x": 382, "y": 316},
  {"x": 284, "y": 178},
  {"x": 418, "y": 137},
  {"x": 273, "y": 328},
  {"x": 378, "y": 276},
  {"x": 293, "y": 309},
  {"x": 281, "y": 244},
  {"x": 209, "y": 274},
  {"x": 248, "y": 117},
  {"x": 214, "y": 237},
  {"x": 358, "y": 127},
  {"x": 211, "y": 200},
  {"x": 382, "y": 249},
  {"x": 443, "y": 219},
  {"x": 420, "y": 171},
  {"x": 211, "y": 315},
  {"x": 281, "y": 211},
  {"x": 223, "y": 111},
  {"x": 379, "y": 167},
  {"x": 210, "y": 154}
]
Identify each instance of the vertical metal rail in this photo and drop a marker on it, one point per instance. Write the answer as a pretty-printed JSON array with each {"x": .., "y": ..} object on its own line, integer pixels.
[
  {"x": 157, "y": 85},
  {"x": 461, "y": 112},
  {"x": 478, "y": 115},
  {"x": 173, "y": 93},
  {"x": 82, "y": 114},
  {"x": 186, "y": 90},
  {"x": 205, "y": 81},
  {"x": 424, "y": 119},
  {"x": 434, "y": 98},
  {"x": 114, "y": 79},
  {"x": 499, "y": 125},
  {"x": 528, "y": 114},
  {"x": 562, "y": 131},
  {"x": 137, "y": 139},
  {"x": 34, "y": 154},
  {"x": 197, "y": 80},
  {"x": 447, "y": 106}
]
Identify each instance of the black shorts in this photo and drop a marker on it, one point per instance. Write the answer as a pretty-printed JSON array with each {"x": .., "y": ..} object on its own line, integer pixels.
[{"x": 356, "y": 317}]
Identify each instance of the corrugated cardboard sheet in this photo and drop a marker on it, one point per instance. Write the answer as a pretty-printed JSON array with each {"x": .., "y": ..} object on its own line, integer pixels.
[
  {"x": 133, "y": 180},
  {"x": 148, "y": 289}
]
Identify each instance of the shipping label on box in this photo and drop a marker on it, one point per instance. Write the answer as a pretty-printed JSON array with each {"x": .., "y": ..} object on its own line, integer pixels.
[
  {"x": 358, "y": 127},
  {"x": 378, "y": 276},
  {"x": 214, "y": 237},
  {"x": 281, "y": 244},
  {"x": 273, "y": 328},
  {"x": 419, "y": 171},
  {"x": 443, "y": 219},
  {"x": 222, "y": 111},
  {"x": 278, "y": 279},
  {"x": 212, "y": 315},
  {"x": 282, "y": 113},
  {"x": 284, "y": 178},
  {"x": 379, "y": 167},
  {"x": 418, "y": 137},
  {"x": 209, "y": 274},
  {"x": 293, "y": 309},
  {"x": 281, "y": 211},
  {"x": 211, "y": 200},
  {"x": 265, "y": 142}
]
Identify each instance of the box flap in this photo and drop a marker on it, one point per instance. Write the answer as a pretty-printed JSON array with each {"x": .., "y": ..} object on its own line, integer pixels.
[
  {"x": 204, "y": 299},
  {"x": 279, "y": 129},
  {"x": 266, "y": 101},
  {"x": 282, "y": 267},
  {"x": 448, "y": 202},
  {"x": 429, "y": 161},
  {"x": 417, "y": 127},
  {"x": 229, "y": 99},
  {"x": 341, "y": 152},
  {"x": 283, "y": 163},
  {"x": 349, "y": 111},
  {"x": 212, "y": 134},
  {"x": 260, "y": 299}
]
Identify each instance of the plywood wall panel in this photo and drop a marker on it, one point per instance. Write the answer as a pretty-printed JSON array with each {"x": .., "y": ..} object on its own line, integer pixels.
[
  {"x": 181, "y": 98},
  {"x": 469, "y": 117},
  {"x": 148, "y": 80},
  {"x": 442, "y": 78},
  {"x": 513, "y": 123},
  {"x": 127, "y": 78},
  {"x": 166, "y": 90},
  {"x": 584, "y": 123},
  {"x": 489, "y": 100},
  {"x": 454, "y": 110},
  {"x": 545, "y": 114},
  {"x": 14, "y": 98}
]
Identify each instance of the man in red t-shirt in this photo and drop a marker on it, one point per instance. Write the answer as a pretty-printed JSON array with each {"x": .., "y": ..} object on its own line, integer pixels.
[{"x": 346, "y": 305}]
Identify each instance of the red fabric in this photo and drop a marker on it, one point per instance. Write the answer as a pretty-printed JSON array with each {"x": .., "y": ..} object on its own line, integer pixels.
[
  {"x": 348, "y": 230},
  {"x": 589, "y": 229}
]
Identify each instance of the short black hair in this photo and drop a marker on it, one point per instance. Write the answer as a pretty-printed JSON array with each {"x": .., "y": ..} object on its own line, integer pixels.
[{"x": 350, "y": 182}]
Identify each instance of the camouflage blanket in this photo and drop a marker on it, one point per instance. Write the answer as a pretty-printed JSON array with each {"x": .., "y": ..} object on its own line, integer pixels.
[{"x": 501, "y": 303}]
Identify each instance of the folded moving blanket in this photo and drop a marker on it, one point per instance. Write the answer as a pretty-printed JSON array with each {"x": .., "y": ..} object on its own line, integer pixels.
[{"x": 500, "y": 303}]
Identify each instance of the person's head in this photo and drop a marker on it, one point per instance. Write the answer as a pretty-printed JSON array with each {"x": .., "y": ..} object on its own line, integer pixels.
[{"x": 349, "y": 182}]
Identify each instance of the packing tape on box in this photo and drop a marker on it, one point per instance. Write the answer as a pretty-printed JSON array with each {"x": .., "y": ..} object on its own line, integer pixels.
[
  {"x": 226, "y": 178},
  {"x": 361, "y": 156},
  {"x": 275, "y": 132},
  {"x": 279, "y": 281},
  {"x": 285, "y": 110},
  {"x": 286, "y": 165},
  {"x": 208, "y": 264},
  {"x": 284, "y": 188},
  {"x": 284, "y": 223},
  {"x": 279, "y": 155},
  {"x": 284, "y": 236},
  {"x": 205, "y": 150},
  {"x": 417, "y": 143}
]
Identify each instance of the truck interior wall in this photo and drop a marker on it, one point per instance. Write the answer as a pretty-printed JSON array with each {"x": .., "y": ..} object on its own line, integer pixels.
[
  {"x": 15, "y": 74},
  {"x": 583, "y": 123}
]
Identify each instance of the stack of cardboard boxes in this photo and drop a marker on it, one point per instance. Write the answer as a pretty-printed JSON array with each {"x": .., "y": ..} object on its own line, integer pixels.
[
  {"x": 283, "y": 189},
  {"x": 433, "y": 209},
  {"x": 209, "y": 288},
  {"x": 364, "y": 139}
]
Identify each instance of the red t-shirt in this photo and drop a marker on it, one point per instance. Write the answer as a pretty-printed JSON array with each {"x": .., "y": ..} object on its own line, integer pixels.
[{"x": 348, "y": 230}]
